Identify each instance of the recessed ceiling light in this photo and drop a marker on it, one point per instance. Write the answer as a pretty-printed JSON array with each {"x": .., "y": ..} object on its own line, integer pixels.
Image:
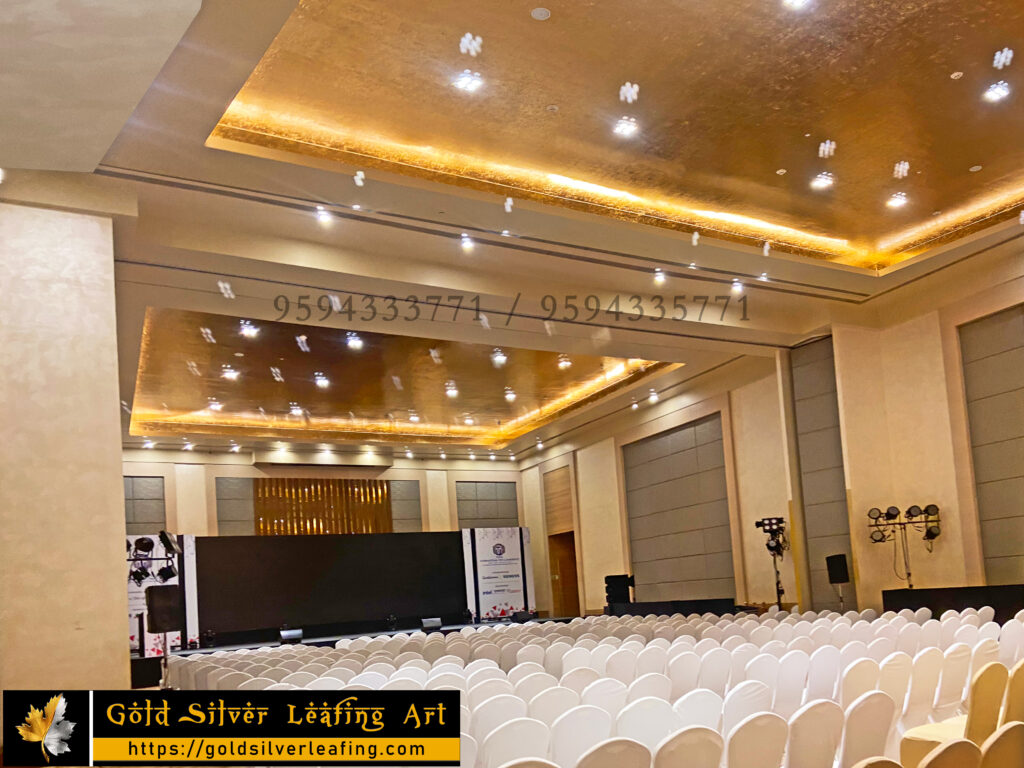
[
  {"x": 229, "y": 373},
  {"x": 295, "y": 409},
  {"x": 207, "y": 335},
  {"x": 540, "y": 14},
  {"x": 781, "y": 172},
  {"x": 974, "y": 168},
  {"x": 551, "y": 107},
  {"x": 823, "y": 181},
  {"x": 303, "y": 342},
  {"x": 225, "y": 289},
  {"x": 510, "y": 394},
  {"x": 634, "y": 405},
  {"x": 467, "y": 242},
  {"x": 450, "y": 389},
  {"x": 472, "y": 456},
  {"x": 505, "y": 233},
  {"x": 625, "y": 126},
  {"x": 187, "y": 446},
  {"x": 897, "y": 200},
  {"x": 149, "y": 444},
  {"x": 498, "y": 357},
  {"x": 493, "y": 457},
  {"x": 247, "y": 329},
  {"x": 408, "y": 453},
  {"x": 321, "y": 381},
  {"x": 359, "y": 178},
  {"x": 214, "y": 404},
  {"x": 693, "y": 265},
  {"x": 414, "y": 417},
  {"x": 357, "y": 207},
  {"x": 956, "y": 75},
  {"x": 564, "y": 362},
  {"x": 468, "y": 81},
  {"x": 1002, "y": 58},
  {"x": 827, "y": 148},
  {"x": 276, "y": 373},
  {"x": 235, "y": 448},
  {"x": 737, "y": 286},
  {"x": 323, "y": 215},
  {"x": 996, "y": 91},
  {"x": 764, "y": 277},
  {"x": 796, "y": 5},
  {"x": 653, "y": 397},
  {"x": 511, "y": 457},
  {"x": 468, "y": 421},
  {"x": 352, "y": 341},
  {"x": 444, "y": 455},
  {"x": 900, "y": 169},
  {"x": 540, "y": 444},
  {"x": 659, "y": 276}
]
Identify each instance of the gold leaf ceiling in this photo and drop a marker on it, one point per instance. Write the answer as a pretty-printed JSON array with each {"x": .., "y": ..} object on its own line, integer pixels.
[
  {"x": 730, "y": 93},
  {"x": 373, "y": 393}
]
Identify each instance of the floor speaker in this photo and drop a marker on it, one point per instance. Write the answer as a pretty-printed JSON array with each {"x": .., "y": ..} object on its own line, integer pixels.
[
  {"x": 838, "y": 573},
  {"x": 164, "y": 609}
]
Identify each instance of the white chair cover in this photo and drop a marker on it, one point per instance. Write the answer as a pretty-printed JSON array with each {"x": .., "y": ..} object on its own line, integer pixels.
[
  {"x": 757, "y": 742},
  {"x": 815, "y": 732},
  {"x": 648, "y": 721},
  {"x": 693, "y": 747},
  {"x": 577, "y": 731}
]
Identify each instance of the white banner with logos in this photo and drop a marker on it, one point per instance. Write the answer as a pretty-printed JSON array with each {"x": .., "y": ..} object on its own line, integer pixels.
[{"x": 499, "y": 572}]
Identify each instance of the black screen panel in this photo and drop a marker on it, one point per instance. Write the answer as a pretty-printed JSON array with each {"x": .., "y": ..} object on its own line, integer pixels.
[{"x": 247, "y": 583}]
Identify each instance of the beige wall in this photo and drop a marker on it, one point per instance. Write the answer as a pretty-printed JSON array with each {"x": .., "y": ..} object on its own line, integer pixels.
[
  {"x": 533, "y": 518},
  {"x": 759, "y": 448},
  {"x": 601, "y": 535},
  {"x": 63, "y": 604}
]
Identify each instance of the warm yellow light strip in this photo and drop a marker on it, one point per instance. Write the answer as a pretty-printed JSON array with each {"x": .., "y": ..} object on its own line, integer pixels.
[{"x": 265, "y": 128}]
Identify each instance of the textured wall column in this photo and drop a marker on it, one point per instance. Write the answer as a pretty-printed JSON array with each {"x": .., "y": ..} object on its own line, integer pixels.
[
  {"x": 602, "y": 525},
  {"x": 63, "y": 603}
]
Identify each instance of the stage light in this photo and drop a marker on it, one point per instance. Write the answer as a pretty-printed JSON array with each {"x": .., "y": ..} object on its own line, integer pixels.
[
  {"x": 540, "y": 444},
  {"x": 472, "y": 456},
  {"x": 139, "y": 575},
  {"x": 932, "y": 532},
  {"x": 874, "y": 513},
  {"x": 143, "y": 544},
  {"x": 408, "y": 453},
  {"x": 322, "y": 214},
  {"x": 468, "y": 81},
  {"x": 626, "y": 126},
  {"x": 931, "y": 510},
  {"x": 634, "y": 405},
  {"x": 891, "y": 513},
  {"x": 467, "y": 242},
  {"x": 294, "y": 409},
  {"x": 877, "y": 536},
  {"x": 214, "y": 404},
  {"x": 166, "y": 573},
  {"x": 493, "y": 457},
  {"x": 170, "y": 543},
  {"x": 997, "y": 91},
  {"x": 912, "y": 512}
]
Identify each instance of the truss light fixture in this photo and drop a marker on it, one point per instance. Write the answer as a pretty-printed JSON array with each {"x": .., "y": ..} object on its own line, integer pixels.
[
  {"x": 626, "y": 127},
  {"x": 468, "y": 81},
  {"x": 897, "y": 200},
  {"x": 996, "y": 92},
  {"x": 823, "y": 181}
]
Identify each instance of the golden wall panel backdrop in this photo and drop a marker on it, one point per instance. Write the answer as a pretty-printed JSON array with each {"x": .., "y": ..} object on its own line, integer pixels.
[{"x": 289, "y": 506}]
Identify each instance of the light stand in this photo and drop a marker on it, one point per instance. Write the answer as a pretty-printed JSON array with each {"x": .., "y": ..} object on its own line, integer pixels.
[
  {"x": 893, "y": 523},
  {"x": 777, "y": 543}
]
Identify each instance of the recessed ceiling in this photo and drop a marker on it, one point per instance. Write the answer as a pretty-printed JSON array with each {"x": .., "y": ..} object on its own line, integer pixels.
[
  {"x": 206, "y": 374},
  {"x": 729, "y": 95}
]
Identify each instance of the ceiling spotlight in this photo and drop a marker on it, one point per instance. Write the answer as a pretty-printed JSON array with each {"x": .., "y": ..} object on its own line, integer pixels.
[
  {"x": 414, "y": 417},
  {"x": 321, "y": 381},
  {"x": 956, "y": 75},
  {"x": 235, "y": 448},
  {"x": 629, "y": 92},
  {"x": 352, "y": 341},
  {"x": 625, "y": 126},
  {"x": 874, "y": 513},
  {"x": 780, "y": 172},
  {"x": 564, "y": 363},
  {"x": 149, "y": 444},
  {"x": 322, "y": 214},
  {"x": 472, "y": 456},
  {"x": 214, "y": 404},
  {"x": 357, "y": 207},
  {"x": 1002, "y": 58},
  {"x": 294, "y": 409},
  {"x": 498, "y": 357},
  {"x": 822, "y": 181},
  {"x": 737, "y": 286},
  {"x": 634, "y": 405},
  {"x": 510, "y": 395},
  {"x": 229, "y": 373},
  {"x": 207, "y": 335},
  {"x": 187, "y": 446},
  {"x": 450, "y": 389},
  {"x": 796, "y": 5},
  {"x": 695, "y": 239},
  {"x": 540, "y": 14},
  {"x": 444, "y": 455},
  {"x": 767, "y": 248},
  {"x": 493, "y": 457},
  {"x": 303, "y": 342},
  {"x": 408, "y": 453},
  {"x": 827, "y": 148},
  {"x": 974, "y": 168},
  {"x": 467, "y": 242},
  {"x": 764, "y": 277},
  {"x": 511, "y": 457},
  {"x": 276, "y": 373},
  {"x": 540, "y": 444},
  {"x": 359, "y": 178},
  {"x": 505, "y": 233},
  {"x": 897, "y": 200},
  {"x": 901, "y": 169},
  {"x": 468, "y": 81},
  {"x": 996, "y": 91},
  {"x": 693, "y": 264},
  {"x": 659, "y": 276},
  {"x": 653, "y": 397},
  {"x": 509, "y": 202},
  {"x": 247, "y": 329},
  {"x": 931, "y": 510},
  {"x": 468, "y": 421},
  {"x": 471, "y": 44}
]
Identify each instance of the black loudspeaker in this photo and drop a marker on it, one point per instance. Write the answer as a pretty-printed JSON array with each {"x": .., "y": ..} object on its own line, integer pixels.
[
  {"x": 616, "y": 588},
  {"x": 838, "y": 573},
  {"x": 431, "y": 623},
  {"x": 521, "y": 617},
  {"x": 164, "y": 609}
]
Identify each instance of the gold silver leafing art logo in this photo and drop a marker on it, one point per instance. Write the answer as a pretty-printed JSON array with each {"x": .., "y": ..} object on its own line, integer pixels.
[{"x": 48, "y": 727}]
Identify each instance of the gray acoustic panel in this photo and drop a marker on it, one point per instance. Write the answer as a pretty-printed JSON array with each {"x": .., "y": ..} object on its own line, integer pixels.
[
  {"x": 486, "y": 505},
  {"x": 992, "y": 350},
  {"x": 676, "y": 502},
  {"x": 820, "y": 448},
  {"x": 405, "y": 506},
  {"x": 235, "y": 513},
  {"x": 144, "y": 508}
]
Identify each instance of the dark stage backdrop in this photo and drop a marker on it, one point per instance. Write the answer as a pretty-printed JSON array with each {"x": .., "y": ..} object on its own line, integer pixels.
[{"x": 247, "y": 583}]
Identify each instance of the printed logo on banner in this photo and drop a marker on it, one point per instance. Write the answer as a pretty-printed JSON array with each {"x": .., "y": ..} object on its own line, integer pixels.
[
  {"x": 46, "y": 728},
  {"x": 498, "y": 549}
]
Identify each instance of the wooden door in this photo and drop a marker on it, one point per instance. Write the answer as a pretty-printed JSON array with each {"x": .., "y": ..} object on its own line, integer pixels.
[{"x": 565, "y": 595}]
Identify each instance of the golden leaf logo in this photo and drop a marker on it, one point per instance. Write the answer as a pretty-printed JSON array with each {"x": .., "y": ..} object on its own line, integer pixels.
[{"x": 48, "y": 727}]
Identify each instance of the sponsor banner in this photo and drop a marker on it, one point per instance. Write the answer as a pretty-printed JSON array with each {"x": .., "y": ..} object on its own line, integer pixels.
[
  {"x": 498, "y": 571},
  {"x": 231, "y": 728}
]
